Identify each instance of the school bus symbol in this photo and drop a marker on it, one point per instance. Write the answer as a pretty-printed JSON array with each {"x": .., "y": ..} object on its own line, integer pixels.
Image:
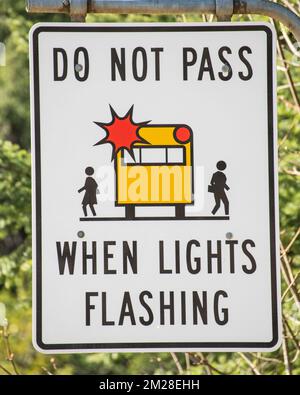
[{"x": 158, "y": 171}]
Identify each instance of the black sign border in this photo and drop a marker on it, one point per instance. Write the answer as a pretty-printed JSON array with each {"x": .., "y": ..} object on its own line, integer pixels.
[{"x": 38, "y": 230}]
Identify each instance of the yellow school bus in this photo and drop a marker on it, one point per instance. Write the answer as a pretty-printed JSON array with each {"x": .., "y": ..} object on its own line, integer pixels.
[{"x": 158, "y": 171}]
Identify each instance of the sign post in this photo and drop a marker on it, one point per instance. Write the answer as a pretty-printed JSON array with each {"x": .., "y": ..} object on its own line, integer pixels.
[{"x": 155, "y": 210}]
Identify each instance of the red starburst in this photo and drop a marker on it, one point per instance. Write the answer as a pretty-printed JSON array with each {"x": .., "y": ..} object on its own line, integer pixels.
[{"x": 121, "y": 132}]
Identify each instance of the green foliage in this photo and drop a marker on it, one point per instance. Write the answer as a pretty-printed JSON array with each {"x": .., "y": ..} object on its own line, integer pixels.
[
  {"x": 15, "y": 217},
  {"x": 15, "y": 222},
  {"x": 14, "y": 78}
]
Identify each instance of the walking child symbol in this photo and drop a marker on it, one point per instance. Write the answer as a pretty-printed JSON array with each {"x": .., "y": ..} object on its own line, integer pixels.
[
  {"x": 90, "y": 187},
  {"x": 218, "y": 186}
]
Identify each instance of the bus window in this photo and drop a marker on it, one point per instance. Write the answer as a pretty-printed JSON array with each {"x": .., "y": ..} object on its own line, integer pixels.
[
  {"x": 153, "y": 155},
  {"x": 175, "y": 155}
]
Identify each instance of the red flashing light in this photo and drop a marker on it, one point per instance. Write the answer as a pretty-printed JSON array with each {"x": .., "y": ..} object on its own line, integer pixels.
[{"x": 182, "y": 134}]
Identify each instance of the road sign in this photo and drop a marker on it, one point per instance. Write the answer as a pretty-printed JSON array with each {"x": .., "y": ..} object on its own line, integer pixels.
[{"x": 155, "y": 209}]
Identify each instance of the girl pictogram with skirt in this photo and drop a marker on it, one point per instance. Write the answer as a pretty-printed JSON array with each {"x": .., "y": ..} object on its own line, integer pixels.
[{"x": 90, "y": 188}]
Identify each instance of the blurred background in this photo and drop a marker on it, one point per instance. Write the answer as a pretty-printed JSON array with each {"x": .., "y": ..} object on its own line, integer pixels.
[{"x": 17, "y": 355}]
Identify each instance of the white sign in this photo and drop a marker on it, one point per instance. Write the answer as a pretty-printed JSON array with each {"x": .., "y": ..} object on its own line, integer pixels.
[{"x": 155, "y": 209}]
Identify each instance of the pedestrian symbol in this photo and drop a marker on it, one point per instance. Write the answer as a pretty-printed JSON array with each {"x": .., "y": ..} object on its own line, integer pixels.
[
  {"x": 90, "y": 188},
  {"x": 218, "y": 186}
]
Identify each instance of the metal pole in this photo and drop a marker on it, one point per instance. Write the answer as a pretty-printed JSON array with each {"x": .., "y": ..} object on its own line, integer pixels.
[
  {"x": 271, "y": 9},
  {"x": 222, "y": 8}
]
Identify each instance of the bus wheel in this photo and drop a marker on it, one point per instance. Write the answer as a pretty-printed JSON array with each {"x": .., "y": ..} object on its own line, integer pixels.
[
  {"x": 180, "y": 211},
  {"x": 130, "y": 211}
]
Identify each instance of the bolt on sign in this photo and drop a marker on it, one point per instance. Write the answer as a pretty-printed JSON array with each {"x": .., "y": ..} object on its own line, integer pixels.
[{"x": 155, "y": 210}]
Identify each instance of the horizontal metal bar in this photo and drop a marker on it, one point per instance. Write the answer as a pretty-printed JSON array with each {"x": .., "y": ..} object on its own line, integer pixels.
[
  {"x": 47, "y": 6},
  {"x": 127, "y": 6},
  {"x": 154, "y": 6},
  {"x": 260, "y": 7}
]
